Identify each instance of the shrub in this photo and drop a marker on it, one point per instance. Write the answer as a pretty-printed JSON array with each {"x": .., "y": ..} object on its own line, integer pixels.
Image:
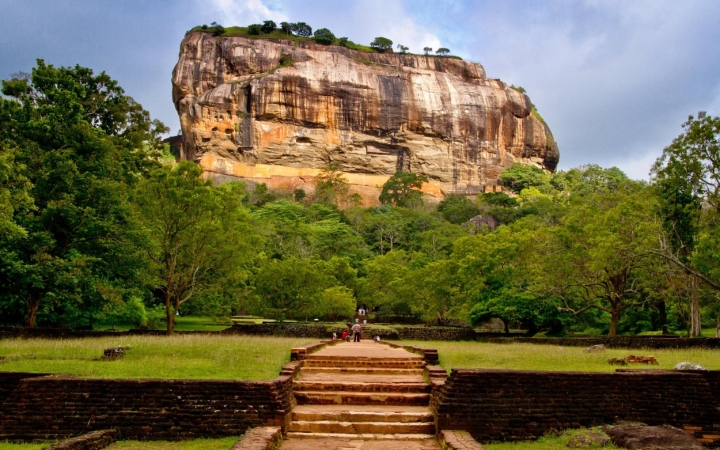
[
  {"x": 268, "y": 26},
  {"x": 381, "y": 44},
  {"x": 442, "y": 51},
  {"x": 301, "y": 29},
  {"x": 254, "y": 29},
  {"x": 324, "y": 36}
]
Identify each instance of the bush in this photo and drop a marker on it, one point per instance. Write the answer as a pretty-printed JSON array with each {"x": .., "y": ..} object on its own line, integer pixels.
[
  {"x": 301, "y": 29},
  {"x": 254, "y": 29},
  {"x": 381, "y": 44},
  {"x": 324, "y": 36},
  {"x": 268, "y": 26}
]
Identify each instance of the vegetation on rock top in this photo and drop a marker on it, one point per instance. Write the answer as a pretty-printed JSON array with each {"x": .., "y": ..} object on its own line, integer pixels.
[{"x": 301, "y": 31}]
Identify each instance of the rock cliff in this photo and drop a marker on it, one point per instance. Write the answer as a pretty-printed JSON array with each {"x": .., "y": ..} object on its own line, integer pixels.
[{"x": 280, "y": 111}]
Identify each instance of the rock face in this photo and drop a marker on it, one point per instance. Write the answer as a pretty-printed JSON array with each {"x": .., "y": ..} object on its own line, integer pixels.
[{"x": 280, "y": 111}]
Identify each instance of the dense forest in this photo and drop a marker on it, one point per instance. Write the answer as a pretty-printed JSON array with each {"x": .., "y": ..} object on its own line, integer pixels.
[{"x": 99, "y": 223}]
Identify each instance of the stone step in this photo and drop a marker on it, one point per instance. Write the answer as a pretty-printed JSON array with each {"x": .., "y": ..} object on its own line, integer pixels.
[
  {"x": 376, "y": 363},
  {"x": 364, "y": 437},
  {"x": 300, "y": 385},
  {"x": 363, "y": 370},
  {"x": 363, "y": 413},
  {"x": 360, "y": 398},
  {"x": 331, "y": 426}
]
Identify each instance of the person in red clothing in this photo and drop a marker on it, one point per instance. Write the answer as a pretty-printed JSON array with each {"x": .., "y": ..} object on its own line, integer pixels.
[{"x": 344, "y": 335}]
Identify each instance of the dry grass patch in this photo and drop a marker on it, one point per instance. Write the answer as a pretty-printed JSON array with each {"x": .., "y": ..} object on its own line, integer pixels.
[{"x": 179, "y": 356}]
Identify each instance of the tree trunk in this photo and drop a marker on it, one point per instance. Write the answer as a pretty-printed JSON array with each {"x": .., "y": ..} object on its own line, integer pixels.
[
  {"x": 169, "y": 315},
  {"x": 32, "y": 309},
  {"x": 662, "y": 311},
  {"x": 695, "y": 325},
  {"x": 615, "y": 317},
  {"x": 717, "y": 329}
]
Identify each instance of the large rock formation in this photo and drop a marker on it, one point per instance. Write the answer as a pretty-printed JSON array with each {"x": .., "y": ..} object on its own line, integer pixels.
[{"x": 280, "y": 111}]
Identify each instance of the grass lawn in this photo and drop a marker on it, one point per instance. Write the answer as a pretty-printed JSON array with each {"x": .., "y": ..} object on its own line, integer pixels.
[
  {"x": 544, "y": 443},
  {"x": 4, "y": 445},
  {"x": 476, "y": 355},
  {"x": 188, "y": 356}
]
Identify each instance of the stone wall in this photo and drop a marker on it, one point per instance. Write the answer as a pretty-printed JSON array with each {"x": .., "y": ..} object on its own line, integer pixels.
[
  {"x": 656, "y": 342},
  {"x": 95, "y": 440},
  {"x": 516, "y": 405},
  {"x": 55, "y": 407},
  {"x": 9, "y": 381},
  {"x": 420, "y": 333}
]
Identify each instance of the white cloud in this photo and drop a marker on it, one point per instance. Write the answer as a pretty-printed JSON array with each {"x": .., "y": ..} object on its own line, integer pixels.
[{"x": 245, "y": 12}]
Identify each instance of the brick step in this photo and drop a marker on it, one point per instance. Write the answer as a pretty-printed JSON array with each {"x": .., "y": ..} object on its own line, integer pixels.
[
  {"x": 366, "y": 362},
  {"x": 363, "y": 413},
  {"x": 331, "y": 426},
  {"x": 363, "y": 370},
  {"x": 360, "y": 398},
  {"x": 300, "y": 385},
  {"x": 364, "y": 437}
]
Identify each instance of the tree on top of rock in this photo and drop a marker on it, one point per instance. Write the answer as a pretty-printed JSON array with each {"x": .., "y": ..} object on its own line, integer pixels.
[
  {"x": 381, "y": 44},
  {"x": 324, "y": 36},
  {"x": 403, "y": 189},
  {"x": 301, "y": 29},
  {"x": 442, "y": 51},
  {"x": 268, "y": 26}
]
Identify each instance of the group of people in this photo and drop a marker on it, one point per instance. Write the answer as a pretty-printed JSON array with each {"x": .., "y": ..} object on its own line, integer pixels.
[{"x": 355, "y": 333}]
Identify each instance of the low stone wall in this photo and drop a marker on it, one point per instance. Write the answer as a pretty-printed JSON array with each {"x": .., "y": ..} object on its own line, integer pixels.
[
  {"x": 655, "y": 342},
  {"x": 9, "y": 381},
  {"x": 516, "y": 405},
  {"x": 56, "y": 407},
  {"x": 96, "y": 440},
  {"x": 436, "y": 333}
]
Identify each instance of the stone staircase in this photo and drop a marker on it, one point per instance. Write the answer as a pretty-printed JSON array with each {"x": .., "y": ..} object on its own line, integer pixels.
[{"x": 362, "y": 390}]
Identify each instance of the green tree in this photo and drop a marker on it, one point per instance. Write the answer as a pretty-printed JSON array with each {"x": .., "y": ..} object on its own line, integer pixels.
[
  {"x": 403, "y": 49},
  {"x": 442, "y": 51},
  {"x": 286, "y": 27},
  {"x": 522, "y": 176},
  {"x": 199, "y": 235},
  {"x": 289, "y": 287},
  {"x": 71, "y": 142},
  {"x": 331, "y": 185},
  {"x": 268, "y": 26},
  {"x": 687, "y": 176},
  {"x": 381, "y": 44},
  {"x": 324, "y": 36},
  {"x": 254, "y": 29},
  {"x": 594, "y": 257},
  {"x": 302, "y": 29},
  {"x": 335, "y": 303},
  {"x": 403, "y": 189},
  {"x": 427, "y": 50},
  {"x": 457, "y": 209}
]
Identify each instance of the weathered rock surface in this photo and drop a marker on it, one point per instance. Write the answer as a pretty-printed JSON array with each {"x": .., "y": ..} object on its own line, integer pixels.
[
  {"x": 652, "y": 438},
  {"x": 279, "y": 111}
]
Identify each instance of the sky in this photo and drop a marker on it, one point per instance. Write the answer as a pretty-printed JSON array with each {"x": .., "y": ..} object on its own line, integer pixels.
[{"x": 614, "y": 79}]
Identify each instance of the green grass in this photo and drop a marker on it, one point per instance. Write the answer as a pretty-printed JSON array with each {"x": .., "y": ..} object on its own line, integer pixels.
[
  {"x": 478, "y": 355},
  {"x": 195, "y": 444},
  {"x": 544, "y": 443},
  {"x": 188, "y": 356},
  {"x": 182, "y": 323},
  {"x": 4, "y": 445}
]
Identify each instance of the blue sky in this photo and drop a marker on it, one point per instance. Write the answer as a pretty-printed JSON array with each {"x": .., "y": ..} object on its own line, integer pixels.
[{"x": 614, "y": 79}]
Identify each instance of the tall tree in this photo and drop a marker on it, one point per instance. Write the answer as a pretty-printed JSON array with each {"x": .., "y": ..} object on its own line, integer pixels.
[
  {"x": 76, "y": 141},
  {"x": 199, "y": 235},
  {"x": 593, "y": 257},
  {"x": 687, "y": 177},
  {"x": 403, "y": 189}
]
